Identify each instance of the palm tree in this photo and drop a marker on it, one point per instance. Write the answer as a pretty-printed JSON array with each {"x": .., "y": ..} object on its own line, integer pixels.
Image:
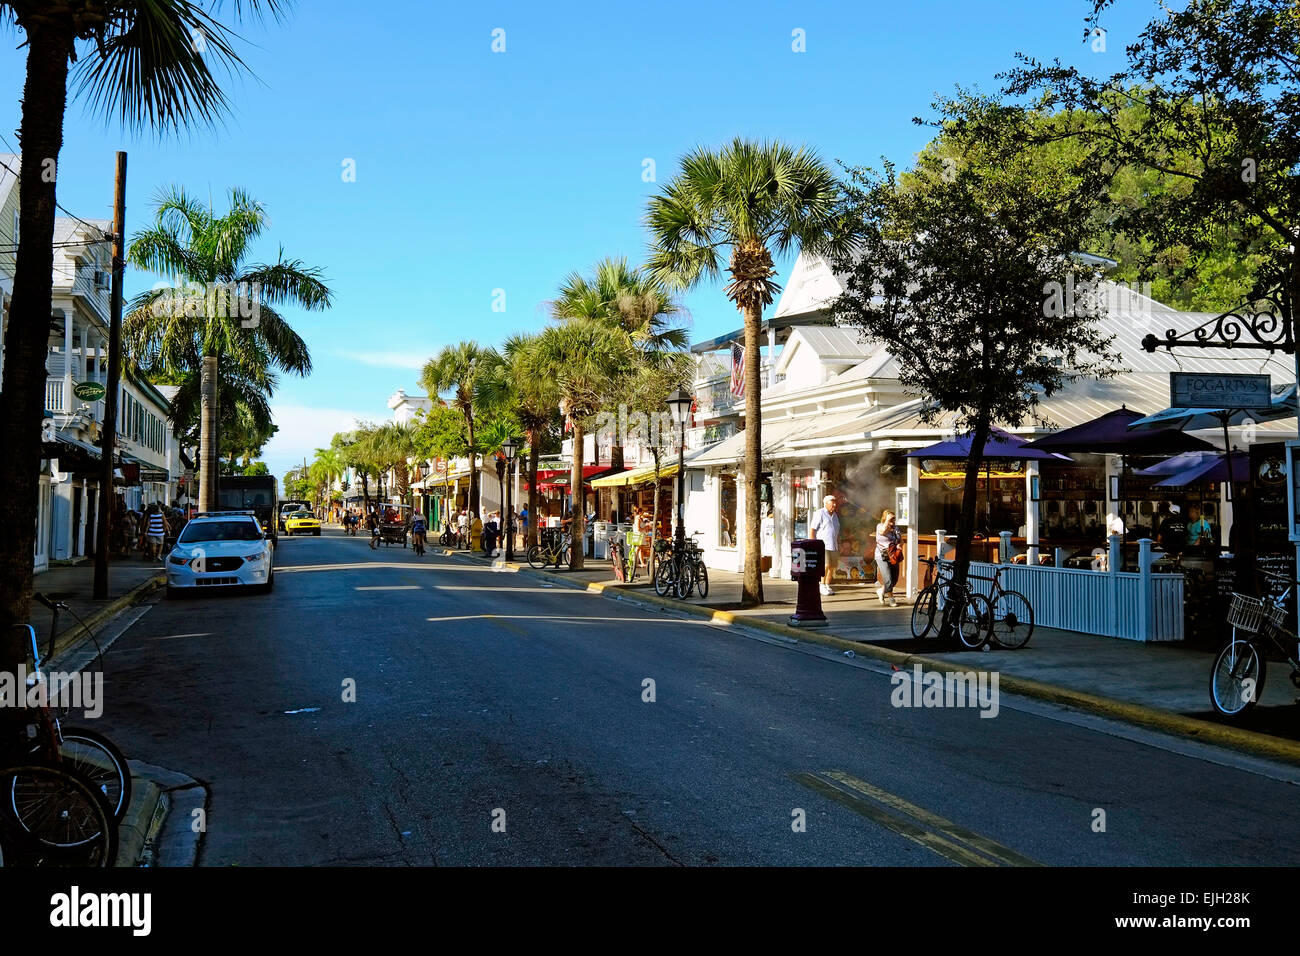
[
  {"x": 218, "y": 306},
  {"x": 396, "y": 443},
  {"x": 138, "y": 62},
  {"x": 522, "y": 386},
  {"x": 752, "y": 199},
  {"x": 633, "y": 301},
  {"x": 457, "y": 369},
  {"x": 582, "y": 356}
]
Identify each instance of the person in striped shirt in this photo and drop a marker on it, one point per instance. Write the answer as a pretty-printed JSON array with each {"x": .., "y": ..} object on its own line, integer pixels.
[{"x": 155, "y": 529}]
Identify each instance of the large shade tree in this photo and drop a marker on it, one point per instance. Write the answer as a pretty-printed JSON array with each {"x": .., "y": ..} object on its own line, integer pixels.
[
  {"x": 216, "y": 305},
  {"x": 740, "y": 205},
  {"x": 457, "y": 369},
  {"x": 960, "y": 268},
  {"x": 137, "y": 62}
]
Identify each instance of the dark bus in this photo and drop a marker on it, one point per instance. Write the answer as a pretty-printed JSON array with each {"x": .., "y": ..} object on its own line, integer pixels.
[{"x": 256, "y": 493}]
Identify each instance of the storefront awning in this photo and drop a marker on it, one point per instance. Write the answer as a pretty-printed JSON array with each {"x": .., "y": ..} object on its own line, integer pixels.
[{"x": 635, "y": 477}]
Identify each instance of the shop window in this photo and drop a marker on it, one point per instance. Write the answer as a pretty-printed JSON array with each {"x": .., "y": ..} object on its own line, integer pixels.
[{"x": 726, "y": 511}]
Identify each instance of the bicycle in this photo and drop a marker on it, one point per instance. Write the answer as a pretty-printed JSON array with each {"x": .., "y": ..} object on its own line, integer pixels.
[
  {"x": 1237, "y": 676},
  {"x": 551, "y": 549},
  {"x": 681, "y": 570},
  {"x": 618, "y": 556},
  {"x": 85, "y": 751},
  {"x": 974, "y": 619}
]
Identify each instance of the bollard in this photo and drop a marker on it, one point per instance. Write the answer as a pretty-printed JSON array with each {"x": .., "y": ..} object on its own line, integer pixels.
[{"x": 807, "y": 561}]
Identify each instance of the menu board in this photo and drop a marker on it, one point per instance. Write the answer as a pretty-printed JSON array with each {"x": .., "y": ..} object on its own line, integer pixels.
[
  {"x": 1268, "y": 485},
  {"x": 1225, "y": 574}
]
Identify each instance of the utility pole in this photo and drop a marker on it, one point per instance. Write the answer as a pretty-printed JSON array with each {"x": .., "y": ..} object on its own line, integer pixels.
[{"x": 108, "y": 437}]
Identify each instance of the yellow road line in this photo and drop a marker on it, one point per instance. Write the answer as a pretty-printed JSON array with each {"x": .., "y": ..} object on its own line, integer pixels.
[
  {"x": 931, "y": 841},
  {"x": 934, "y": 821}
]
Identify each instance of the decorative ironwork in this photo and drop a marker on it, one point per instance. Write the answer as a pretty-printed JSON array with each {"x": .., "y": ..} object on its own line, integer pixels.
[{"x": 1269, "y": 329}]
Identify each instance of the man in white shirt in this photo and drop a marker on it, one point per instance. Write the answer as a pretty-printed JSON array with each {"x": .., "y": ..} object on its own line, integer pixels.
[{"x": 825, "y": 527}]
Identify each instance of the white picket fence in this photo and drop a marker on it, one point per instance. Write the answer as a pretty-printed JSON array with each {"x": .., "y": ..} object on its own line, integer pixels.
[{"x": 1135, "y": 605}]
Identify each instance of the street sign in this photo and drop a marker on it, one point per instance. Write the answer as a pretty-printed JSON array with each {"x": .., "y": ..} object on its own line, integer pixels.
[
  {"x": 1219, "y": 390},
  {"x": 89, "y": 391}
]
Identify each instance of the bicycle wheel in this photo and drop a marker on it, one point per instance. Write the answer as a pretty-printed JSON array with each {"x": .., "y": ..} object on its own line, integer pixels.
[
  {"x": 537, "y": 558},
  {"x": 563, "y": 557},
  {"x": 974, "y": 620},
  {"x": 685, "y": 582},
  {"x": 923, "y": 612},
  {"x": 1237, "y": 678},
  {"x": 58, "y": 818},
  {"x": 665, "y": 579},
  {"x": 98, "y": 760},
  {"x": 1013, "y": 620},
  {"x": 701, "y": 579}
]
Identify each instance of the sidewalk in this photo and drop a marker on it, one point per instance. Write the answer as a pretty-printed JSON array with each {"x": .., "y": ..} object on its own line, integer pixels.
[
  {"x": 74, "y": 585},
  {"x": 1168, "y": 678}
]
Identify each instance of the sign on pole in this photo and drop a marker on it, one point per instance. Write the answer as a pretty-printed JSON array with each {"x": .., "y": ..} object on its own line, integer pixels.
[
  {"x": 1219, "y": 390},
  {"x": 89, "y": 391}
]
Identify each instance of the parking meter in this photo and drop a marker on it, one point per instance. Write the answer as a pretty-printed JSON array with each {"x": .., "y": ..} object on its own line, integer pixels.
[{"x": 807, "y": 563}]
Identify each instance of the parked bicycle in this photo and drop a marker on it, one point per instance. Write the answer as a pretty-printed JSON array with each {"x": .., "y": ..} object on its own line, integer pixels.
[
  {"x": 972, "y": 618},
  {"x": 1237, "y": 677},
  {"x": 63, "y": 793},
  {"x": 680, "y": 572},
  {"x": 551, "y": 549}
]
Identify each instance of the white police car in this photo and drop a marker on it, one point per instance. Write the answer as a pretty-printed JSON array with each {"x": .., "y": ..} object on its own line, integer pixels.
[{"x": 221, "y": 549}]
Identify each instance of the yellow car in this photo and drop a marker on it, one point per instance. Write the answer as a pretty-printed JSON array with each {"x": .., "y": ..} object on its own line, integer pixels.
[{"x": 302, "y": 522}]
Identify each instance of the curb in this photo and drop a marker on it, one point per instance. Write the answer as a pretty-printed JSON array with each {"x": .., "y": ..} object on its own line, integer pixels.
[
  {"x": 1204, "y": 731},
  {"x": 77, "y": 634},
  {"x": 157, "y": 829}
]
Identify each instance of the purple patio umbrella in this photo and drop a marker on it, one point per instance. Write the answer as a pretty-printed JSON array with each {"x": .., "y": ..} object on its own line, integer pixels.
[
  {"x": 1211, "y": 471},
  {"x": 1108, "y": 434},
  {"x": 999, "y": 446}
]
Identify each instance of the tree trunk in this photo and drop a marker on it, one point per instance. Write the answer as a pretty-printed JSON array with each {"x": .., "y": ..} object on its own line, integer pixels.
[
  {"x": 209, "y": 463},
  {"x": 473, "y": 466},
  {"x": 365, "y": 491},
  {"x": 534, "y": 453},
  {"x": 575, "y": 498},
  {"x": 751, "y": 588},
  {"x": 965, "y": 524},
  {"x": 22, "y": 403},
  {"x": 654, "y": 522}
]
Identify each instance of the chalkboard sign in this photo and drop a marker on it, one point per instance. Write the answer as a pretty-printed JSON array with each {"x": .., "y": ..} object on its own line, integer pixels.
[
  {"x": 1268, "y": 484},
  {"x": 1225, "y": 574}
]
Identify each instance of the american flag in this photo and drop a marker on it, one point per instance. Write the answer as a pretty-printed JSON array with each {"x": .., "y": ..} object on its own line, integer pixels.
[{"x": 737, "y": 370}]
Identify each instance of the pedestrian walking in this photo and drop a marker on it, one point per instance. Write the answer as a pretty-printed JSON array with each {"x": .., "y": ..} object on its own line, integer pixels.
[
  {"x": 825, "y": 527},
  {"x": 889, "y": 555},
  {"x": 155, "y": 530}
]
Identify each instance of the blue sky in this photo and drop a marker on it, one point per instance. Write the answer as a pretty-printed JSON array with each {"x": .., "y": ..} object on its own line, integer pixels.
[{"x": 478, "y": 171}]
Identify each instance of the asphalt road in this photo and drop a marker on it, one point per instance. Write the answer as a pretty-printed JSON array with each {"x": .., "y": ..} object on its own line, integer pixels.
[{"x": 499, "y": 720}]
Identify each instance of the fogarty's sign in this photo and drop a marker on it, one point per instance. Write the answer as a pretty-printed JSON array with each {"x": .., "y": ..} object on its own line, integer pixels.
[{"x": 1219, "y": 390}]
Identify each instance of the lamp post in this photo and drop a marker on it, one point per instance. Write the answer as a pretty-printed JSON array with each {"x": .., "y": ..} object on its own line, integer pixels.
[
  {"x": 511, "y": 448},
  {"x": 680, "y": 404}
]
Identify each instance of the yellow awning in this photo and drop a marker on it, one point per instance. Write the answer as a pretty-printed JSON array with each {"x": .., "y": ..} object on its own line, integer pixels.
[{"x": 635, "y": 477}]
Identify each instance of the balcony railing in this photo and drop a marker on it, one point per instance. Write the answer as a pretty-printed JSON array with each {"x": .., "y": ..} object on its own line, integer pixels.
[{"x": 55, "y": 395}]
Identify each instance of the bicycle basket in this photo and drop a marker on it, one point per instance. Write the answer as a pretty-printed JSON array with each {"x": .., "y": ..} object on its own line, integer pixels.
[
  {"x": 1276, "y": 615},
  {"x": 1246, "y": 613}
]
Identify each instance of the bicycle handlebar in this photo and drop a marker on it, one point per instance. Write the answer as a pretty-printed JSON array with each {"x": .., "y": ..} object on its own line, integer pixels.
[{"x": 52, "y": 605}]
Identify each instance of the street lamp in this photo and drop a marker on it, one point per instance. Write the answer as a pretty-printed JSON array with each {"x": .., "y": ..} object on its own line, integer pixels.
[
  {"x": 511, "y": 448},
  {"x": 680, "y": 404}
]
